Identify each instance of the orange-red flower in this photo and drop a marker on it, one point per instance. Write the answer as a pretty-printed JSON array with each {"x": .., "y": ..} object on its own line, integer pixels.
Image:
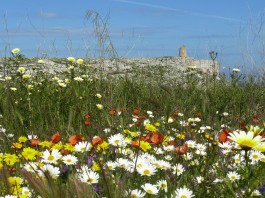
[
  {"x": 223, "y": 137},
  {"x": 73, "y": 140},
  {"x": 56, "y": 138},
  {"x": 112, "y": 111},
  {"x": 181, "y": 150},
  {"x": 97, "y": 140},
  {"x": 255, "y": 118},
  {"x": 87, "y": 123},
  {"x": 34, "y": 142},
  {"x": 136, "y": 111}
]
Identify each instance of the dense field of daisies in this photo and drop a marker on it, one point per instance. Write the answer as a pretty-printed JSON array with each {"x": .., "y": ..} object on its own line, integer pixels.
[{"x": 82, "y": 132}]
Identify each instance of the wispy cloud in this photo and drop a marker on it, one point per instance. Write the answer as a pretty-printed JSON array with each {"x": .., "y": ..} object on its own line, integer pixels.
[
  {"x": 211, "y": 36},
  {"x": 48, "y": 14},
  {"x": 180, "y": 11}
]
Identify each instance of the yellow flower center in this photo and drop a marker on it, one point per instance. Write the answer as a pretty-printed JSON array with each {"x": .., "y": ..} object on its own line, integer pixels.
[
  {"x": 69, "y": 160},
  {"x": 255, "y": 156},
  {"x": 149, "y": 191},
  {"x": 90, "y": 180},
  {"x": 50, "y": 158},
  {"x": 183, "y": 196},
  {"x": 146, "y": 172},
  {"x": 117, "y": 141}
]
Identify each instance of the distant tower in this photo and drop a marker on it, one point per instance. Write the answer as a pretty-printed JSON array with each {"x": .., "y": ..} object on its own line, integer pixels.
[{"x": 182, "y": 51}]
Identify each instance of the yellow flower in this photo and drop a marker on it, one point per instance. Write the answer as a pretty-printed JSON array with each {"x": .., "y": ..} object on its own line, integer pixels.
[
  {"x": 236, "y": 70},
  {"x": 246, "y": 140},
  {"x": 80, "y": 61},
  {"x": 99, "y": 106},
  {"x": 29, "y": 153},
  {"x": 15, "y": 50},
  {"x": 16, "y": 145},
  {"x": 21, "y": 70},
  {"x": 10, "y": 159},
  {"x": 22, "y": 139},
  {"x": 69, "y": 147},
  {"x": 40, "y": 61},
  {"x": 14, "y": 181},
  {"x": 95, "y": 166},
  {"x": 26, "y": 76},
  {"x": 150, "y": 127},
  {"x": 255, "y": 129},
  {"x": 104, "y": 145},
  {"x": 45, "y": 144},
  {"x": 57, "y": 146},
  {"x": 157, "y": 124},
  {"x": 145, "y": 146},
  {"x": 180, "y": 136},
  {"x": 71, "y": 59},
  {"x": 260, "y": 147}
]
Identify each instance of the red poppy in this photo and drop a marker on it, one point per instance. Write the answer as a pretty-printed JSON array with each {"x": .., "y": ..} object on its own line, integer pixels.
[
  {"x": 142, "y": 117},
  {"x": 87, "y": 123},
  {"x": 11, "y": 170},
  {"x": 262, "y": 135},
  {"x": 73, "y": 140},
  {"x": 198, "y": 114},
  {"x": 97, "y": 140},
  {"x": 156, "y": 138},
  {"x": 135, "y": 144},
  {"x": 255, "y": 118},
  {"x": 34, "y": 142},
  {"x": 112, "y": 111},
  {"x": 176, "y": 114},
  {"x": 64, "y": 152},
  {"x": 135, "y": 111},
  {"x": 223, "y": 137},
  {"x": 242, "y": 125},
  {"x": 172, "y": 142},
  {"x": 56, "y": 138},
  {"x": 181, "y": 150},
  {"x": 137, "y": 123},
  {"x": 87, "y": 116}
]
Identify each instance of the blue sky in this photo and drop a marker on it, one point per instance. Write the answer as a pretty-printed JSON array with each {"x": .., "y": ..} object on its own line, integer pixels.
[{"x": 137, "y": 28}]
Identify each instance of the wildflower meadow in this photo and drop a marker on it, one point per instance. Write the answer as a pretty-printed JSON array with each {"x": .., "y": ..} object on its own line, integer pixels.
[{"x": 83, "y": 132}]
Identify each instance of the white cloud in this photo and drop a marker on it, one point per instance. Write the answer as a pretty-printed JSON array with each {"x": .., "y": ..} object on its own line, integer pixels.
[
  {"x": 48, "y": 14},
  {"x": 180, "y": 11}
]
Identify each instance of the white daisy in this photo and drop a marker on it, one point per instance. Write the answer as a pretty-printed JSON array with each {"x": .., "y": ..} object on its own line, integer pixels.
[
  {"x": 83, "y": 146},
  {"x": 238, "y": 159},
  {"x": 183, "y": 193},
  {"x": 225, "y": 145},
  {"x": 135, "y": 194},
  {"x": 191, "y": 143},
  {"x": 150, "y": 189},
  {"x": 146, "y": 169},
  {"x": 26, "y": 192},
  {"x": 51, "y": 157},
  {"x": 123, "y": 163},
  {"x": 169, "y": 148},
  {"x": 162, "y": 164},
  {"x": 31, "y": 167},
  {"x": 162, "y": 184},
  {"x": 117, "y": 140},
  {"x": 111, "y": 165},
  {"x": 255, "y": 155},
  {"x": 233, "y": 176},
  {"x": 53, "y": 171},
  {"x": 70, "y": 159},
  {"x": 89, "y": 177},
  {"x": 178, "y": 169},
  {"x": 255, "y": 193}
]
